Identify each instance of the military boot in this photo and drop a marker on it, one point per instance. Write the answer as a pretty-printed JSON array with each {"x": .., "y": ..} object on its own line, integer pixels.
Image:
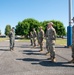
[
  {"x": 40, "y": 50},
  {"x": 49, "y": 58},
  {"x": 13, "y": 48},
  {"x": 34, "y": 46},
  {"x": 53, "y": 59},
  {"x": 48, "y": 53},
  {"x": 72, "y": 61}
]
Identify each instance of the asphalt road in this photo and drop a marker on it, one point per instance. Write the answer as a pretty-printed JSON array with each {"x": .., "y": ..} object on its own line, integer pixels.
[{"x": 26, "y": 60}]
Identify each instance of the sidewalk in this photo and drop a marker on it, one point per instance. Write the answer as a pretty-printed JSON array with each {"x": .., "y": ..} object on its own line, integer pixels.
[{"x": 26, "y": 60}]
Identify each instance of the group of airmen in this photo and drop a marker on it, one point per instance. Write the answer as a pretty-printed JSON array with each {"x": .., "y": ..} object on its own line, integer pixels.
[{"x": 50, "y": 36}]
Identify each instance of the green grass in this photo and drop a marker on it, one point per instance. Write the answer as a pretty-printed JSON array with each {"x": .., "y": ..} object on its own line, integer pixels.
[
  {"x": 61, "y": 41},
  {"x": 3, "y": 39},
  {"x": 23, "y": 40}
]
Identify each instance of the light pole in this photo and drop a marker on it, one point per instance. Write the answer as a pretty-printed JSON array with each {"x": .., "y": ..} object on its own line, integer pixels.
[{"x": 69, "y": 28}]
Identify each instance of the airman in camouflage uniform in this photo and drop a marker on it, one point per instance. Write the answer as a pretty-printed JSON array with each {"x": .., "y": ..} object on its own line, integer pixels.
[
  {"x": 31, "y": 38},
  {"x": 41, "y": 36},
  {"x": 48, "y": 51},
  {"x": 34, "y": 37},
  {"x": 12, "y": 38},
  {"x": 51, "y": 41},
  {"x": 38, "y": 38},
  {"x": 72, "y": 61}
]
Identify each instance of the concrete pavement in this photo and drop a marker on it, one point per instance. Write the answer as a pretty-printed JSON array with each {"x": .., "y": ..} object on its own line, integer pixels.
[{"x": 26, "y": 60}]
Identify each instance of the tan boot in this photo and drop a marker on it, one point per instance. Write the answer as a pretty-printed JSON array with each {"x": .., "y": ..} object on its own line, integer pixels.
[
  {"x": 72, "y": 61},
  {"x": 12, "y": 48},
  {"x": 40, "y": 50},
  {"x": 49, "y": 58},
  {"x": 34, "y": 46},
  {"x": 53, "y": 60}
]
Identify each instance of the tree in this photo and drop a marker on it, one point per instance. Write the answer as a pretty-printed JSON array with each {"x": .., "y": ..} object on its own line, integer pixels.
[
  {"x": 44, "y": 25},
  {"x": 27, "y": 25},
  {"x": 18, "y": 29},
  {"x": 59, "y": 27},
  {"x": 7, "y": 29},
  {"x": 22, "y": 28},
  {"x": 32, "y": 23}
]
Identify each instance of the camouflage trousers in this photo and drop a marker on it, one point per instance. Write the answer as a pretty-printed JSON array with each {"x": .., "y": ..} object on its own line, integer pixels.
[
  {"x": 12, "y": 42},
  {"x": 34, "y": 41},
  {"x": 38, "y": 41},
  {"x": 31, "y": 39},
  {"x": 51, "y": 48},
  {"x": 73, "y": 51},
  {"x": 47, "y": 45},
  {"x": 41, "y": 43}
]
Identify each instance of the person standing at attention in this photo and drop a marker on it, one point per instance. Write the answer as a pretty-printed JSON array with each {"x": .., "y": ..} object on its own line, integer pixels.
[
  {"x": 51, "y": 41},
  {"x": 34, "y": 37},
  {"x": 12, "y": 38},
  {"x": 41, "y": 37}
]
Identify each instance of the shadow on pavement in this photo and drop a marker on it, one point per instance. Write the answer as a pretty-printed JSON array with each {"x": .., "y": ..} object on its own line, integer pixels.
[
  {"x": 61, "y": 46},
  {"x": 30, "y": 59},
  {"x": 55, "y": 64},
  {"x": 47, "y": 63},
  {"x": 33, "y": 53},
  {"x": 30, "y": 52},
  {"x": 4, "y": 46},
  {"x": 4, "y": 50},
  {"x": 25, "y": 46}
]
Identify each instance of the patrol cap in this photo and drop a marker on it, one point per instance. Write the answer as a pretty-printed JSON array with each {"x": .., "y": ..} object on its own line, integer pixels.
[{"x": 50, "y": 23}]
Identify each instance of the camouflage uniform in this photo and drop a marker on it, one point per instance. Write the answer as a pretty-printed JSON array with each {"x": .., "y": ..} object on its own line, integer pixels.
[
  {"x": 47, "y": 42},
  {"x": 51, "y": 42},
  {"x": 34, "y": 37},
  {"x": 73, "y": 42},
  {"x": 31, "y": 38},
  {"x": 41, "y": 36},
  {"x": 12, "y": 39},
  {"x": 72, "y": 61},
  {"x": 38, "y": 38}
]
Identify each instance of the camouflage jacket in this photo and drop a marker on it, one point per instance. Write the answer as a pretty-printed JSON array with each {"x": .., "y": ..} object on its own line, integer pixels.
[
  {"x": 73, "y": 35},
  {"x": 41, "y": 34},
  {"x": 51, "y": 34},
  {"x": 31, "y": 35},
  {"x": 34, "y": 34}
]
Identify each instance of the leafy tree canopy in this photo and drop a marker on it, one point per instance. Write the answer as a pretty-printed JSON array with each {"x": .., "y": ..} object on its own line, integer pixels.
[
  {"x": 27, "y": 25},
  {"x": 7, "y": 29}
]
